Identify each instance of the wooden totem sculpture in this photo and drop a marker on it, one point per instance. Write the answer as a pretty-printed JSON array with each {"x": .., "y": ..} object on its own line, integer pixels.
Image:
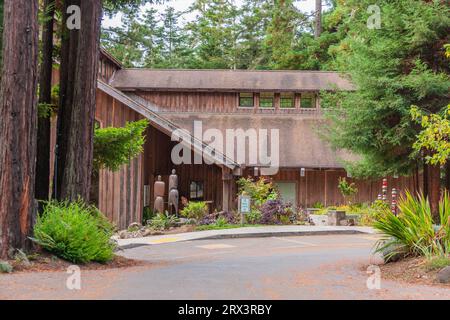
[
  {"x": 159, "y": 191},
  {"x": 173, "y": 193}
]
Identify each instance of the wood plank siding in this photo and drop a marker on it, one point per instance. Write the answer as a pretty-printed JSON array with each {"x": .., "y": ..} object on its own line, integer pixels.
[
  {"x": 120, "y": 195},
  {"x": 322, "y": 186},
  {"x": 218, "y": 102}
]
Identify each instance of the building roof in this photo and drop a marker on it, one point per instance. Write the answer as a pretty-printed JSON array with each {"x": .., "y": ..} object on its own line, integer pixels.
[
  {"x": 299, "y": 142},
  {"x": 165, "y": 125},
  {"x": 228, "y": 80}
]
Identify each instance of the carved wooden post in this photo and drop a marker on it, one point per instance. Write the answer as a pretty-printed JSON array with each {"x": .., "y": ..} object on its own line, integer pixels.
[
  {"x": 173, "y": 192},
  {"x": 160, "y": 187}
]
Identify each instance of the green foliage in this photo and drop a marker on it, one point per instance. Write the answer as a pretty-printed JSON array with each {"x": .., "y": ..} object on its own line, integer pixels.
[
  {"x": 147, "y": 215},
  {"x": 163, "y": 221},
  {"x": 5, "y": 267},
  {"x": 318, "y": 205},
  {"x": 75, "y": 231},
  {"x": 435, "y": 136},
  {"x": 393, "y": 68},
  {"x": 259, "y": 191},
  {"x": 437, "y": 263},
  {"x": 114, "y": 147},
  {"x": 195, "y": 210},
  {"x": 254, "y": 216},
  {"x": 413, "y": 232},
  {"x": 347, "y": 189},
  {"x": 254, "y": 34}
]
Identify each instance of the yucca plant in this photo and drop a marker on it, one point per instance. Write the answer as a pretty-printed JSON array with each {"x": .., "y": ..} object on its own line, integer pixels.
[{"x": 413, "y": 232}]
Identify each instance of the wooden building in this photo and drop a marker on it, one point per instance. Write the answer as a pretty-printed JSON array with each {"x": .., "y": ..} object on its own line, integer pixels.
[{"x": 175, "y": 100}]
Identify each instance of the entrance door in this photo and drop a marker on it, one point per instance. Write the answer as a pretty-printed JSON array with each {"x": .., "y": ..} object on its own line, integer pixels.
[{"x": 288, "y": 192}]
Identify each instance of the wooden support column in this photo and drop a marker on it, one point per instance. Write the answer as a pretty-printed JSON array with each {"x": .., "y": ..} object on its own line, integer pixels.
[{"x": 227, "y": 179}]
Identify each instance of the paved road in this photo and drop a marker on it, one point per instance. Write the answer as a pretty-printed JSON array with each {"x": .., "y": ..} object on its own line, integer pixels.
[{"x": 306, "y": 267}]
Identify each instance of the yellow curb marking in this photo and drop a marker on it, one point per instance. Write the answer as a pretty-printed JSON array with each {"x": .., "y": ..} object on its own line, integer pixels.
[{"x": 165, "y": 240}]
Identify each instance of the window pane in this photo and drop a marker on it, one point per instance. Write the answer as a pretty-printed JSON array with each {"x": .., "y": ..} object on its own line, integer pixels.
[
  {"x": 246, "y": 99},
  {"x": 266, "y": 100},
  {"x": 307, "y": 102},
  {"x": 287, "y": 102}
]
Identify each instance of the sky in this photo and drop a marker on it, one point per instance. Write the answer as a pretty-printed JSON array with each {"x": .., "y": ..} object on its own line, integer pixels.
[{"x": 306, "y": 6}]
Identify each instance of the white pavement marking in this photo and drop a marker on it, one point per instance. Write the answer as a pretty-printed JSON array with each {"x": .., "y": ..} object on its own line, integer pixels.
[
  {"x": 308, "y": 244},
  {"x": 216, "y": 246}
]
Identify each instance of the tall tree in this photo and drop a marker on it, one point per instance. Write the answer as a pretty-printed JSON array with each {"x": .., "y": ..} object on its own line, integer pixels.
[
  {"x": 400, "y": 65},
  {"x": 125, "y": 42},
  {"x": 79, "y": 68},
  {"x": 45, "y": 100},
  {"x": 254, "y": 19},
  {"x": 18, "y": 117},
  {"x": 280, "y": 34},
  {"x": 318, "y": 19},
  {"x": 214, "y": 33}
]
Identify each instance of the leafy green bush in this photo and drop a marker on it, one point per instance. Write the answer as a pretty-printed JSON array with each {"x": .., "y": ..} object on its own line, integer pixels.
[
  {"x": 259, "y": 191},
  {"x": 195, "y": 210},
  {"x": 5, "y": 267},
  {"x": 75, "y": 231},
  {"x": 163, "y": 221},
  {"x": 318, "y": 205},
  {"x": 114, "y": 147},
  {"x": 254, "y": 216},
  {"x": 347, "y": 189},
  {"x": 147, "y": 215},
  {"x": 413, "y": 232}
]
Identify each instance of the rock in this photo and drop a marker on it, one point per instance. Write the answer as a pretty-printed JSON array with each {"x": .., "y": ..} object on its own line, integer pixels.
[
  {"x": 343, "y": 223},
  {"x": 147, "y": 233},
  {"x": 390, "y": 256},
  {"x": 134, "y": 226},
  {"x": 123, "y": 234},
  {"x": 443, "y": 276},
  {"x": 335, "y": 217}
]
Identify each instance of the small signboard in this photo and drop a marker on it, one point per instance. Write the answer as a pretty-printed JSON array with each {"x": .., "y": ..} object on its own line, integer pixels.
[{"x": 244, "y": 204}]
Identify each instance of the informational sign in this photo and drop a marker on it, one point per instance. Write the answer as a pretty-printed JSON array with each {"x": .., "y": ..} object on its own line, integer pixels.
[{"x": 244, "y": 204}]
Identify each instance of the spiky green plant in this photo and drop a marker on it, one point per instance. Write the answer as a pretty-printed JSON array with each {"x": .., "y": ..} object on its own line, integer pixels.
[
  {"x": 413, "y": 231},
  {"x": 74, "y": 231}
]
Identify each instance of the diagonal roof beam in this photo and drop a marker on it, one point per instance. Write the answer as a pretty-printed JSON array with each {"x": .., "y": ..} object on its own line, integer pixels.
[{"x": 167, "y": 126}]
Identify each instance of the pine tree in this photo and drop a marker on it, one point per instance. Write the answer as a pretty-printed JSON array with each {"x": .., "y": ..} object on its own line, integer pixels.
[
  {"x": 214, "y": 34},
  {"x": 392, "y": 68}
]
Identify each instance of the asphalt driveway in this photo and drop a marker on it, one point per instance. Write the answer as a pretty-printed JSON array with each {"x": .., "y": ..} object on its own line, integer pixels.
[{"x": 301, "y": 267}]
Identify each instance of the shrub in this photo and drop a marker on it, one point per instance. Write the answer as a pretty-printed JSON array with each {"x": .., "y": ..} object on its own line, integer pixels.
[
  {"x": 275, "y": 212},
  {"x": 195, "y": 210},
  {"x": 347, "y": 190},
  {"x": 5, "y": 267},
  {"x": 318, "y": 205},
  {"x": 259, "y": 191},
  {"x": 412, "y": 232},
  {"x": 147, "y": 215},
  {"x": 372, "y": 213},
  {"x": 254, "y": 216},
  {"x": 75, "y": 231},
  {"x": 221, "y": 222},
  {"x": 163, "y": 221},
  {"x": 114, "y": 147},
  {"x": 437, "y": 263}
]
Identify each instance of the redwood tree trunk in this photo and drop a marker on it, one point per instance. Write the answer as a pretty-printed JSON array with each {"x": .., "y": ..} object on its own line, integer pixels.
[
  {"x": 45, "y": 97},
  {"x": 432, "y": 187},
  {"x": 318, "y": 19},
  {"x": 447, "y": 176},
  {"x": 77, "y": 112},
  {"x": 18, "y": 117}
]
